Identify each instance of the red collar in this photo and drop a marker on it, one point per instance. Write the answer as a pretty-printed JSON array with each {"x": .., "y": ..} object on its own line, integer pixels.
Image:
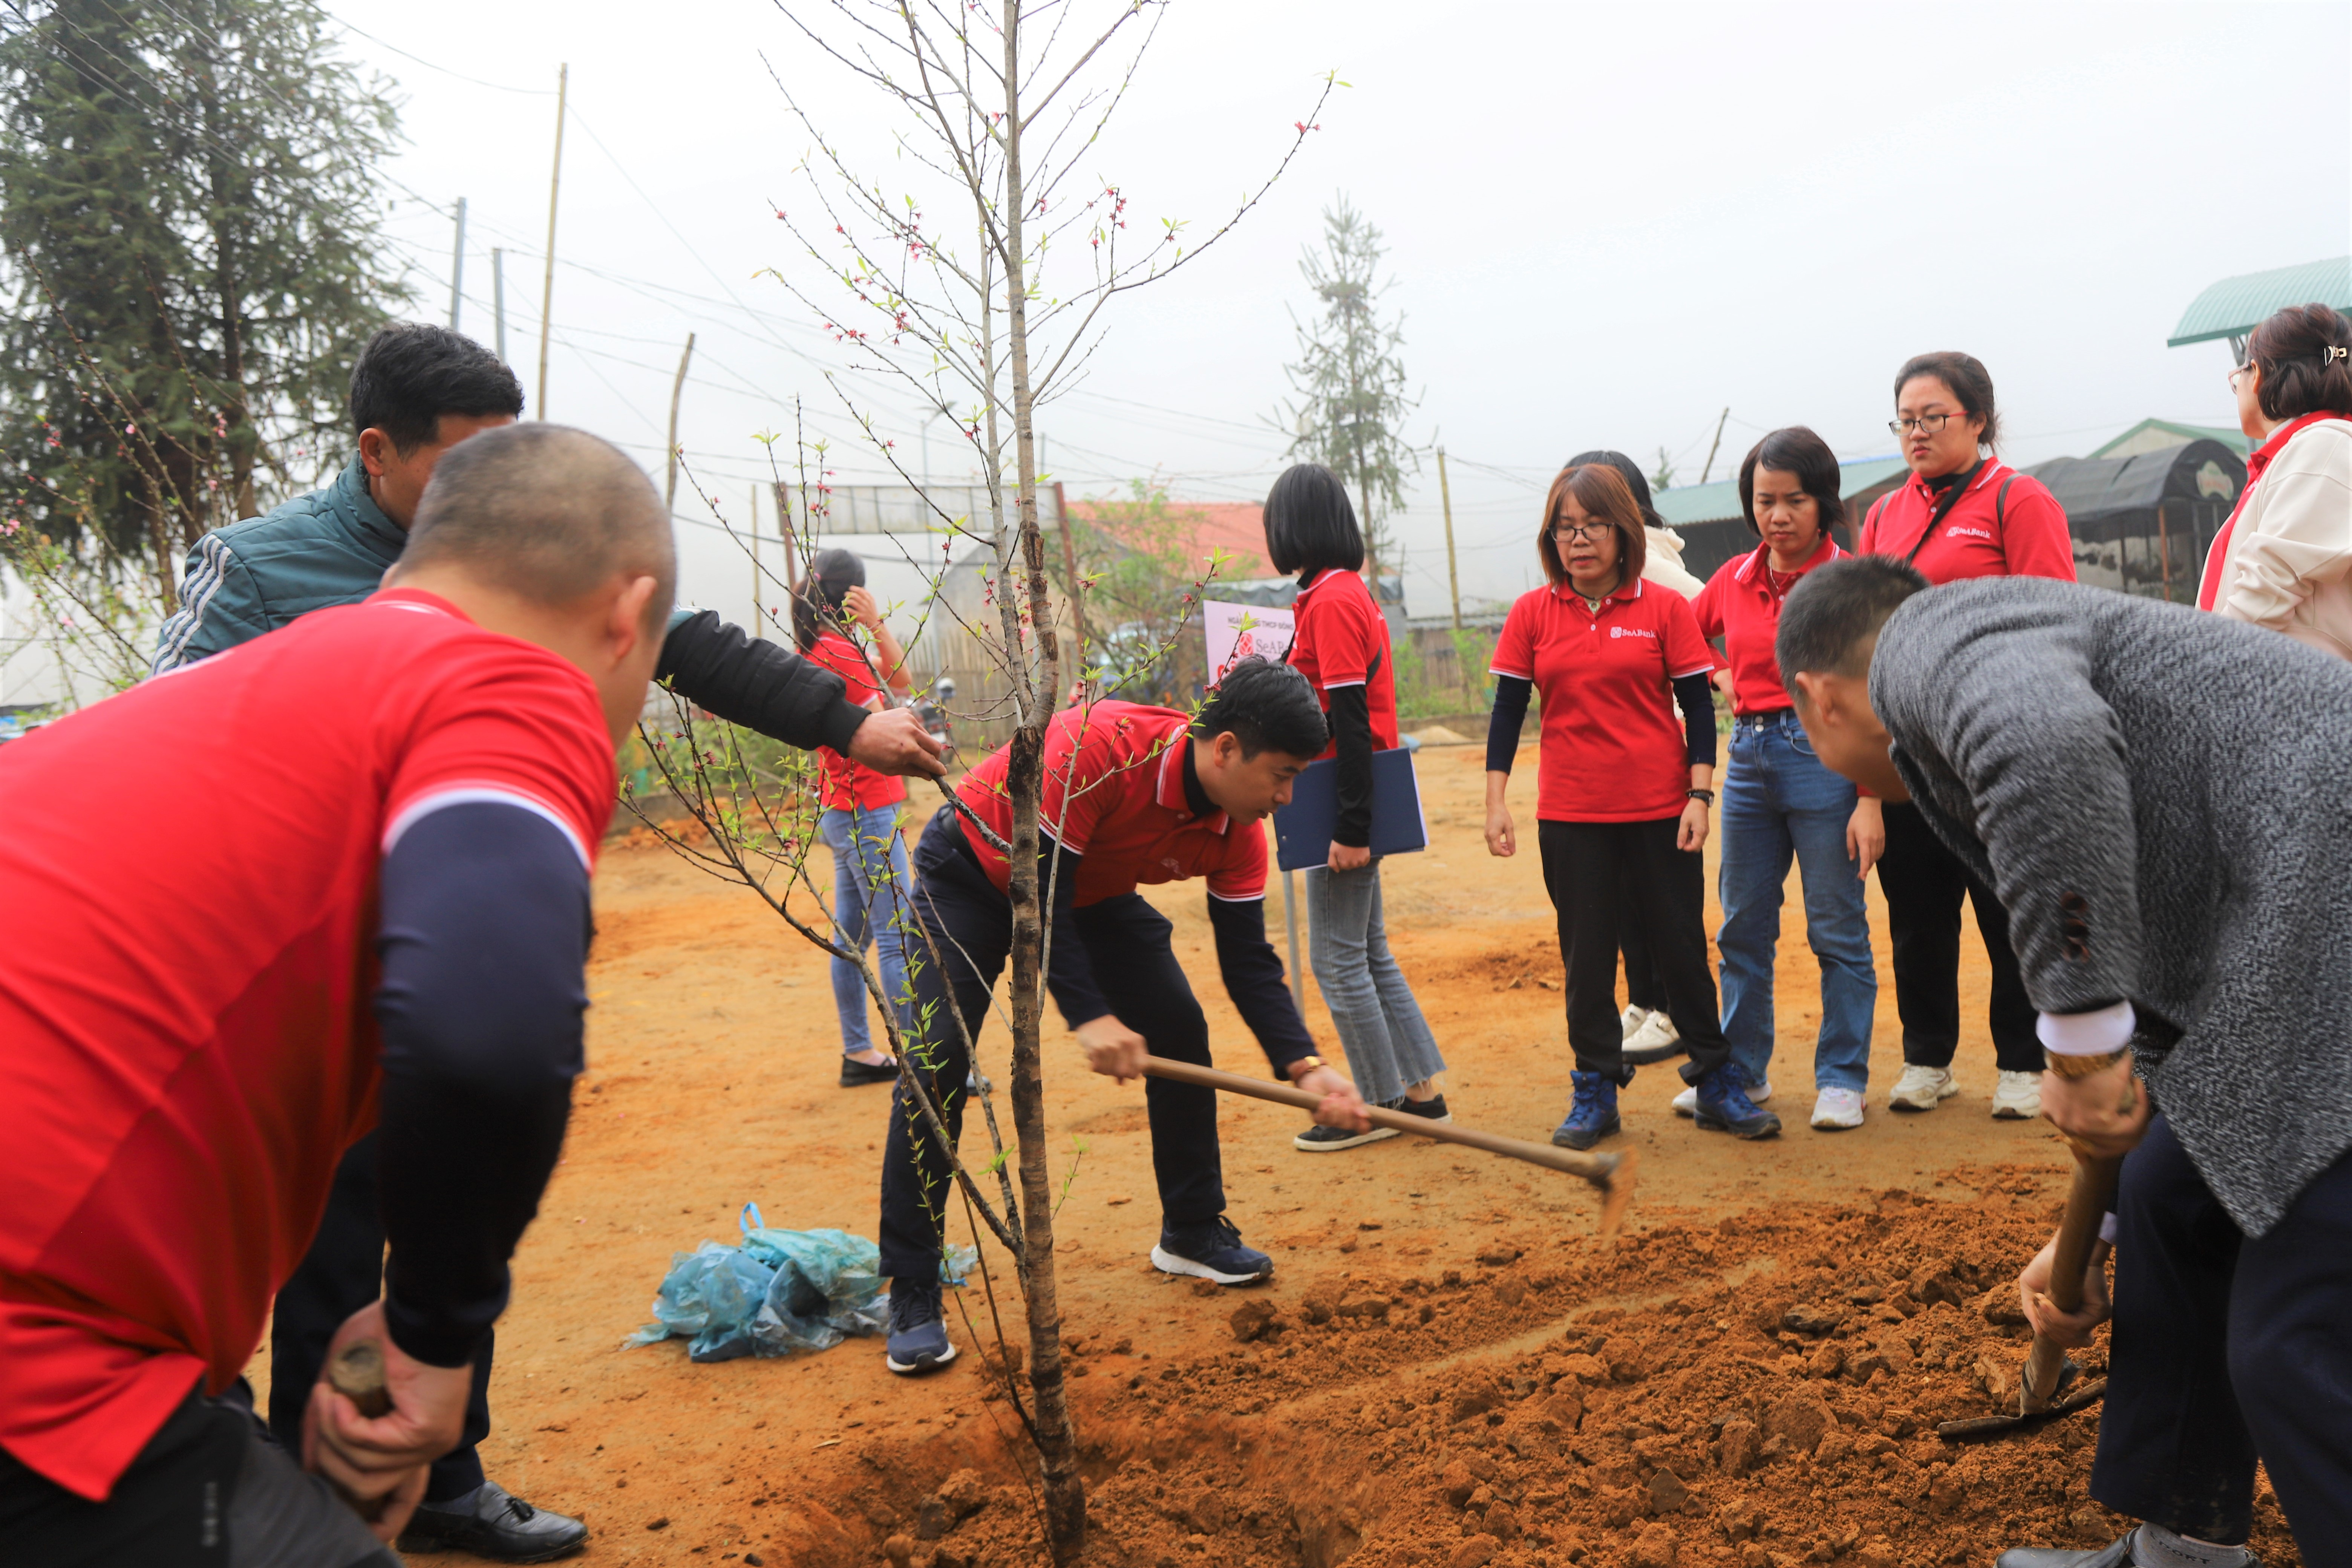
[
  {"x": 1759, "y": 559},
  {"x": 417, "y": 599},
  {"x": 1622, "y": 594},
  {"x": 1316, "y": 582},
  {"x": 1986, "y": 471},
  {"x": 2260, "y": 459},
  {"x": 1171, "y": 791}
]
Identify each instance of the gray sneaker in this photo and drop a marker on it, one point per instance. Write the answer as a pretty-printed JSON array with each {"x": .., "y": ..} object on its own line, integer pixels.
[
  {"x": 491, "y": 1521},
  {"x": 2118, "y": 1556}
]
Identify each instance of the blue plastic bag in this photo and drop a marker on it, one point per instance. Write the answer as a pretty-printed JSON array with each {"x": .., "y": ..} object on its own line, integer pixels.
[{"x": 783, "y": 1291}]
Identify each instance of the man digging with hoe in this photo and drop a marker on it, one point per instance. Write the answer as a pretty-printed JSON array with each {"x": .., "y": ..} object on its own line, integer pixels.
[{"x": 2158, "y": 798}]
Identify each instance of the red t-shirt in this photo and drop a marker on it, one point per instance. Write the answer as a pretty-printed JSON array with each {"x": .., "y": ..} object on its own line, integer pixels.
[
  {"x": 1612, "y": 748},
  {"x": 1339, "y": 638},
  {"x": 190, "y": 874},
  {"x": 1741, "y": 604},
  {"x": 846, "y": 786},
  {"x": 1114, "y": 795},
  {"x": 1982, "y": 535}
]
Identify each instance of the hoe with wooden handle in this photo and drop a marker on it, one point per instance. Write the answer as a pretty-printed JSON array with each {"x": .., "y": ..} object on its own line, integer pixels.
[
  {"x": 357, "y": 1373},
  {"x": 2042, "y": 1391},
  {"x": 1612, "y": 1172}
]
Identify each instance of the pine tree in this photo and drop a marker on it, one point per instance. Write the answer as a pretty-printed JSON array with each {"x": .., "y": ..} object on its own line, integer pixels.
[
  {"x": 1352, "y": 402},
  {"x": 192, "y": 241}
]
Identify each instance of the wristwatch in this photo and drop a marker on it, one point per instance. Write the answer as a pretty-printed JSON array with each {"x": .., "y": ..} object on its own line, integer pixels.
[
  {"x": 1705, "y": 795},
  {"x": 1305, "y": 1065}
]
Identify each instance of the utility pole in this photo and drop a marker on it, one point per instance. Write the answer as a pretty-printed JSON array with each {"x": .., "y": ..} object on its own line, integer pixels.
[
  {"x": 554, "y": 185},
  {"x": 498, "y": 298},
  {"x": 1711, "y": 446},
  {"x": 1452, "y": 577},
  {"x": 669, "y": 487},
  {"x": 457, "y": 265}
]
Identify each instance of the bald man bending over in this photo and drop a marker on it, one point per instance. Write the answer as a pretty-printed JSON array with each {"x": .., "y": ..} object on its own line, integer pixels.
[{"x": 383, "y": 818}]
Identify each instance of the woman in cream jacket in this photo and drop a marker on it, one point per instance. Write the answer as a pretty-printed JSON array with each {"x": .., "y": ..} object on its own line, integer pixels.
[{"x": 2285, "y": 558}]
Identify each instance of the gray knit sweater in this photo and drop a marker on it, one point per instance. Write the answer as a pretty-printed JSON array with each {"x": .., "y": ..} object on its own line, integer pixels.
[{"x": 2160, "y": 799}]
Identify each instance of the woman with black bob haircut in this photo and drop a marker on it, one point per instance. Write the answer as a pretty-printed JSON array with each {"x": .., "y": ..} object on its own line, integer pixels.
[
  {"x": 1621, "y": 792},
  {"x": 1779, "y": 803},
  {"x": 1340, "y": 643},
  {"x": 1963, "y": 513},
  {"x": 2285, "y": 558}
]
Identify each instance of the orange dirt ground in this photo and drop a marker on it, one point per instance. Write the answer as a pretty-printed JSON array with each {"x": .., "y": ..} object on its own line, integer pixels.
[{"x": 1455, "y": 1373}]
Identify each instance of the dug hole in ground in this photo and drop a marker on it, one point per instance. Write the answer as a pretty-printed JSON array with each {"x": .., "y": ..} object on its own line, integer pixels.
[{"x": 1446, "y": 1369}]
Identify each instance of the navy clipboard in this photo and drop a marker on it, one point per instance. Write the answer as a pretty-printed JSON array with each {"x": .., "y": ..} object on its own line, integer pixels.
[{"x": 1302, "y": 830}]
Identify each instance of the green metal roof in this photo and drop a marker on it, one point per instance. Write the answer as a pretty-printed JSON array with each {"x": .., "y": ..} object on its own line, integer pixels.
[
  {"x": 1719, "y": 501},
  {"x": 2236, "y": 305},
  {"x": 2233, "y": 439}
]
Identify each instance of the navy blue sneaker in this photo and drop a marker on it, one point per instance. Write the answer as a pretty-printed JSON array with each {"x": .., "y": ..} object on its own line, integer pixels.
[
  {"x": 918, "y": 1336},
  {"x": 1592, "y": 1114},
  {"x": 1723, "y": 1106},
  {"x": 1211, "y": 1251}
]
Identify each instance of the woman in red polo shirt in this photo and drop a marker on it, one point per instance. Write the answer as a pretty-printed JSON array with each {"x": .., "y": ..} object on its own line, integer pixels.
[
  {"x": 860, "y": 820},
  {"x": 1962, "y": 513},
  {"x": 1622, "y": 791},
  {"x": 1780, "y": 802},
  {"x": 1340, "y": 643}
]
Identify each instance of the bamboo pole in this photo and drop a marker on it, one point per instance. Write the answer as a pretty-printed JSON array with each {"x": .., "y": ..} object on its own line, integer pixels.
[
  {"x": 554, "y": 186},
  {"x": 677, "y": 388}
]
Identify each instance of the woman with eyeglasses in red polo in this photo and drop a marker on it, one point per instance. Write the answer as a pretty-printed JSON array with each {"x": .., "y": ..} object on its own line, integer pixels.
[
  {"x": 1621, "y": 792},
  {"x": 1962, "y": 513}
]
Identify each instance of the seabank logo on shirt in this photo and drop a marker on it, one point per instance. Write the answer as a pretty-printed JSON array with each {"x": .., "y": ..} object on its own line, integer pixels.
[
  {"x": 1631, "y": 632},
  {"x": 1970, "y": 533}
]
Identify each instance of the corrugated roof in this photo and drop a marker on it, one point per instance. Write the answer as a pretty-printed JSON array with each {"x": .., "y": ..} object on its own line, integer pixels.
[
  {"x": 1720, "y": 501},
  {"x": 2236, "y": 305},
  {"x": 2090, "y": 488},
  {"x": 2233, "y": 439}
]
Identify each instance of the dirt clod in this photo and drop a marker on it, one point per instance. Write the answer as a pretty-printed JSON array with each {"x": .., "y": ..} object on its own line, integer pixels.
[
  {"x": 1254, "y": 1320},
  {"x": 1475, "y": 1552}
]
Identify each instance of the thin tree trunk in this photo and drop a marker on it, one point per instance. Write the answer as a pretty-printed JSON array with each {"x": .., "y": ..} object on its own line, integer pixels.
[{"x": 1066, "y": 1499}]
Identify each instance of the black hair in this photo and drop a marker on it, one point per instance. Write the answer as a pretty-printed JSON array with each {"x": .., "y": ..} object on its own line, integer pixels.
[
  {"x": 1602, "y": 492},
  {"x": 1794, "y": 449},
  {"x": 1631, "y": 472},
  {"x": 2299, "y": 375},
  {"x": 1969, "y": 379},
  {"x": 1834, "y": 609},
  {"x": 412, "y": 372},
  {"x": 816, "y": 608},
  {"x": 1309, "y": 524},
  {"x": 1266, "y": 707},
  {"x": 545, "y": 513}
]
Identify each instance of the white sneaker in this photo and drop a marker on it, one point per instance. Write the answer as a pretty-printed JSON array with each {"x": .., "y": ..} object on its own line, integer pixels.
[
  {"x": 2018, "y": 1097},
  {"x": 1920, "y": 1087},
  {"x": 1837, "y": 1108},
  {"x": 1686, "y": 1102},
  {"x": 1631, "y": 1019},
  {"x": 1657, "y": 1033}
]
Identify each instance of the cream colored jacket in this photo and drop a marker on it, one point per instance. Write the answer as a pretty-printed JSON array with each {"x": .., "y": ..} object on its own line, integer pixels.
[
  {"x": 2290, "y": 562},
  {"x": 1664, "y": 561}
]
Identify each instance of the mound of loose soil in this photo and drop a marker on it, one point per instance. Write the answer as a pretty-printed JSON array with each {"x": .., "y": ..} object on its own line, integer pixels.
[{"x": 1759, "y": 1392}]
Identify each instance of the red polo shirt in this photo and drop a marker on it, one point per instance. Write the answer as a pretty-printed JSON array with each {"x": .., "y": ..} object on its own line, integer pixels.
[
  {"x": 1341, "y": 639},
  {"x": 846, "y": 786},
  {"x": 1741, "y": 604},
  {"x": 1114, "y": 795},
  {"x": 1982, "y": 535},
  {"x": 185, "y": 986},
  {"x": 1613, "y": 749}
]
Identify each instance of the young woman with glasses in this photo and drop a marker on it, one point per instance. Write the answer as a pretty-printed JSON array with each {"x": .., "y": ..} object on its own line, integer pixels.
[
  {"x": 1962, "y": 513},
  {"x": 1780, "y": 802},
  {"x": 2284, "y": 560},
  {"x": 1621, "y": 792},
  {"x": 1340, "y": 643}
]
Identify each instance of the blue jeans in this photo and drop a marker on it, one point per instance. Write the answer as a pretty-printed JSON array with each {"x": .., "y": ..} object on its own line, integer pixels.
[
  {"x": 869, "y": 903},
  {"x": 1778, "y": 800},
  {"x": 1388, "y": 1041}
]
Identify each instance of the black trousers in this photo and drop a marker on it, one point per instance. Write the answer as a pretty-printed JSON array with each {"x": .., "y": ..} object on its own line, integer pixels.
[
  {"x": 342, "y": 1272},
  {"x": 1644, "y": 986},
  {"x": 209, "y": 1491},
  {"x": 2225, "y": 1349},
  {"x": 961, "y": 913},
  {"x": 1599, "y": 874},
  {"x": 1924, "y": 883}
]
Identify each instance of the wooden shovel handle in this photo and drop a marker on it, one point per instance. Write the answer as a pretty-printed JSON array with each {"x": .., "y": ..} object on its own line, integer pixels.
[{"x": 2087, "y": 1202}]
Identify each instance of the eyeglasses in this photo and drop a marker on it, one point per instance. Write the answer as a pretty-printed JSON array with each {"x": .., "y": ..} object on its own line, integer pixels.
[
  {"x": 2239, "y": 372},
  {"x": 1927, "y": 423},
  {"x": 1565, "y": 531}
]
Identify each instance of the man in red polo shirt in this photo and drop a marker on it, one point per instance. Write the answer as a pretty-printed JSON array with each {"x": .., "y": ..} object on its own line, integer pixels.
[
  {"x": 360, "y": 901},
  {"x": 1133, "y": 795}
]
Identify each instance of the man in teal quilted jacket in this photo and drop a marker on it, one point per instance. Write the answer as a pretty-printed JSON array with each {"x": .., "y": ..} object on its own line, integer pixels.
[{"x": 416, "y": 392}]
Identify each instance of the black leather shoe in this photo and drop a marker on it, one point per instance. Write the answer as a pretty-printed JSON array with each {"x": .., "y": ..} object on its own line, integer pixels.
[
  {"x": 492, "y": 1522},
  {"x": 2118, "y": 1556},
  {"x": 854, "y": 1073}
]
